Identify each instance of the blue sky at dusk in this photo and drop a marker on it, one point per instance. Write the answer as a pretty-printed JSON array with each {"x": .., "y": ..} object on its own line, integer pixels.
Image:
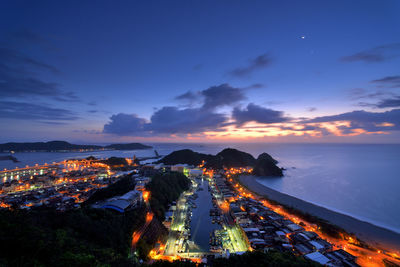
[{"x": 200, "y": 71}]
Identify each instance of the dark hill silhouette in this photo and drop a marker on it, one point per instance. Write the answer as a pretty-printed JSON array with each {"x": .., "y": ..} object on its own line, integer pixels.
[
  {"x": 64, "y": 146},
  {"x": 186, "y": 156},
  {"x": 231, "y": 157},
  {"x": 265, "y": 165}
]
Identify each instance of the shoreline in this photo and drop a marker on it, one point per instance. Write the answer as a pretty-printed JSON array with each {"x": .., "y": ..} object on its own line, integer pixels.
[
  {"x": 372, "y": 234},
  {"x": 377, "y": 224}
]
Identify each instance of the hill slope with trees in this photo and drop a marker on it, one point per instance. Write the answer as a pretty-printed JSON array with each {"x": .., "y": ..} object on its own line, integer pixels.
[{"x": 264, "y": 165}]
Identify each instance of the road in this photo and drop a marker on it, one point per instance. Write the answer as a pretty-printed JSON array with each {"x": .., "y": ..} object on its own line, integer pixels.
[
  {"x": 149, "y": 217},
  {"x": 177, "y": 226}
]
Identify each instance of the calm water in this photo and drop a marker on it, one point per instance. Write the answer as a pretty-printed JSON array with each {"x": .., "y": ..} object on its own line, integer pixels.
[
  {"x": 201, "y": 225},
  {"x": 360, "y": 180}
]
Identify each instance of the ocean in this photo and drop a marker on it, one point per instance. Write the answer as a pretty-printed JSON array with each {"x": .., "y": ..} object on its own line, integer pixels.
[{"x": 360, "y": 180}]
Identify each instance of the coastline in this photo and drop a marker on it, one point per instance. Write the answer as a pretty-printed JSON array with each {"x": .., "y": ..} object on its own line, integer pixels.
[{"x": 374, "y": 235}]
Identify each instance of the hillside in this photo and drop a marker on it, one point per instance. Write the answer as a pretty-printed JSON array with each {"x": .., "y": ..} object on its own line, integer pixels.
[
  {"x": 230, "y": 157},
  {"x": 265, "y": 165},
  {"x": 186, "y": 156}
]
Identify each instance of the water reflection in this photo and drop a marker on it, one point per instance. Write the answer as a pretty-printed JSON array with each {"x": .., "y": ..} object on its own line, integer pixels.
[{"x": 201, "y": 225}]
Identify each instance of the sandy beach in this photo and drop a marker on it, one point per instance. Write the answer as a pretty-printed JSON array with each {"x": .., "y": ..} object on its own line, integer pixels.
[{"x": 372, "y": 234}]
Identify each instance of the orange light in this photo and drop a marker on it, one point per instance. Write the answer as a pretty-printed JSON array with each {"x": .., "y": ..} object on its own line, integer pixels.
[{"x": 146, "y": 195}]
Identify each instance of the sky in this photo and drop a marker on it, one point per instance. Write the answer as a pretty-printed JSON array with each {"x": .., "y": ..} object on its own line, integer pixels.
[{"x": 200, "y": 71}]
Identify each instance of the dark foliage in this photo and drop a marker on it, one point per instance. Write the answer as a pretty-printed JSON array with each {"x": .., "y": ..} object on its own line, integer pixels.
[
  {"x": 230, "y": 157},
  {"x": 114, "y": 162},
  {"x": 186, "y": 156},
  {"x": 118, "y": 188},
  {"x": 85, "y": 237},
  {"x": 164, "y": 189}
]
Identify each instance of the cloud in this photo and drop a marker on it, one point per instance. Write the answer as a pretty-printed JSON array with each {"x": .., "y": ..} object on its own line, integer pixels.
[
  {"x": 171, "y": 120},
  {"x": 304, "y": 128},
  {"x": 166, "y": 121},
  {"x": 312, "y": 109},
  {"x": 257, "y": 114},
  {"x": 125, "y": 125},
  {"x": 214, "y": 96},
  {"x": 175, "y": 120},
  {"x": 369, "y": 121},
  {"x": 221, "y": 95},
  {"x": 356, "y": 93},
  {"x": 376, "y": 54},
  {"x": 18, "y": 78},
  {"x": 189, "y": 95},
  {"x": 16, "y": 58},
  {"x": 388, "y": 81},
  {"x": 66, "y": 97},
  {"x": 255, "y": 86},
  {"x": 372, "y": 95},
  {"x": 29, "y": 111},
  {"x": 25, "y": 36},
  {"x": 389, "y": 103},
  {"x": 260, "y": 62},
  {"x": 386, "y": 97}
]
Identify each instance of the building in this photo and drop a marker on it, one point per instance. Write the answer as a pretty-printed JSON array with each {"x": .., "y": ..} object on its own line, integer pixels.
[
  {"x": 317, "y": 257},
  {"x": 122, "y": 203},
  {"x": 182, "y": 168}
]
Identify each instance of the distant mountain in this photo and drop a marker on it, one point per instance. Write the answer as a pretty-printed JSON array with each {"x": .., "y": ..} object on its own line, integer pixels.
[
  {"x": 65, "y": 146},
  {"x": 9, "y": 157},
  {"x": 130, "y": 146},
  {"x": 265, "y": 165}
]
